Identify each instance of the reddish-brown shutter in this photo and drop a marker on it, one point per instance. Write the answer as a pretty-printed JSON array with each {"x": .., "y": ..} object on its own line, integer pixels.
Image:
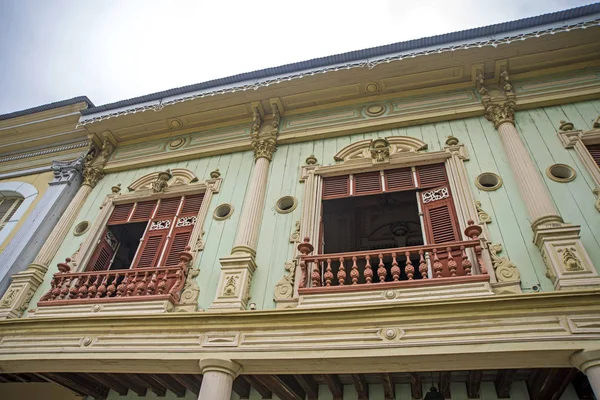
[
  {"x": 151, "y": 248},
  {"x": 192, "y": 204},
  {"x": 367, "y": 183},
  {"x": 439, "y": 216},
  {"x": 143, "y": 211},
  {"x": 100, "y": 260},
  {"x": 399, "y": 179},
  {"x": 594, "y": 150},
  {"x": 181, "y": 238},
  {"x": 431, "y": 175},
  {"x": 167, "y": 208},
  {"x": 336, "y": 186},
  {"x": 120, "y": 214}
]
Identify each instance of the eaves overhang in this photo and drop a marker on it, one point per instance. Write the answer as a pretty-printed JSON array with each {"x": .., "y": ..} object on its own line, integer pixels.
[
  {"x": 492, "y": 35},
  {"x": 46, "y": 107}
]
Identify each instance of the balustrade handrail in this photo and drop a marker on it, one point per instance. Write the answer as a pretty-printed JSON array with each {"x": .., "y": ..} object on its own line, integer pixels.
[{"x": 116, "y": 271}]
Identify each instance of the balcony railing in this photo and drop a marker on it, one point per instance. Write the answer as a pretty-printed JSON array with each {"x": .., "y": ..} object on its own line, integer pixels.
[
  {"x": 137, "y": 284},
  {"x": 434, "y": 264}
]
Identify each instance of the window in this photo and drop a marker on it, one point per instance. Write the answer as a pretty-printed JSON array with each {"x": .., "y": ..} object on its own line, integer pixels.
[
  {"x": 146, "y": 233},
  {"x": 8, "y": 207},
  {"x": 594, "y": 150}
]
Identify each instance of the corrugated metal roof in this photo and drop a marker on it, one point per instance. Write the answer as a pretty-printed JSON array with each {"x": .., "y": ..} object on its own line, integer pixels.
[
  {"x": 46, "y": 107},
  {"x": 470, "y": 34}
]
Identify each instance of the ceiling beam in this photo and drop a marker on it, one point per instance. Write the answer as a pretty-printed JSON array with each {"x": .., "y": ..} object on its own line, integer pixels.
[
  {"x": 474, "y": 384},
  {"x": 135, "y": 385},
  {"x": 264, "y": 391},
  {"x": 389, "y": 389},
  {"x": 549, "y": 383},
  {"x": 361, "y": 386},
  {"x": 170, "y": 383},
  {"x": 308, "y": 384},
  {"x": 416, "y": 387},
  {"x": 78, "y": 385},
  {"x": 503, "y": 383},
  {"x": 151, "y": 383},
  {"x": 335, "y": 386},
  {"x": 188, "y": 381},
  {"x": 444, "y": 384},
  {"x": 242, "y": 388},
  {"x": 105, "y": 380},
  {"x": 281, "y": 387}
]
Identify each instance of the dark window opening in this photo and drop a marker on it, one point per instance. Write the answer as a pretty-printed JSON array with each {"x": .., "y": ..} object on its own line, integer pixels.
[{"x": 128, "y": 237}]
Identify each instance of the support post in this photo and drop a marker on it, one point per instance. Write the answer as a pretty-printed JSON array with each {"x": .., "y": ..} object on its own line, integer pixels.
[
  {"x": 217, "y": 379},
  {"x": 588, "y": 362}
]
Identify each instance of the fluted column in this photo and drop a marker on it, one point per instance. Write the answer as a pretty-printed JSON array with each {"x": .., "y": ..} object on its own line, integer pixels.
[
  {"x": 217, "y": 379},
  {"x": 588, "y": 362}
]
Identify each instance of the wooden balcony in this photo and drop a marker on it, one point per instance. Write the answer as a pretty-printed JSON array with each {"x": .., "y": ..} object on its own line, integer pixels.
[
  {"x": 137, "y": 284},
  {"x": 429, "y": 265}
]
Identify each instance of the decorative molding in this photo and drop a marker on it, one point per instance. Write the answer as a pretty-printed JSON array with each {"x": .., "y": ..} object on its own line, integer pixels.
[
  {"x": 506, "y": 270},
  {"x": 380, "y": 150},
  {"x": 284, "y": 289},
  {"x": 43, "y": 152},
  {"x": 484, "y": 218},
  {"x": 295, "y": 235},
  {"x": 161, "y": 181}
]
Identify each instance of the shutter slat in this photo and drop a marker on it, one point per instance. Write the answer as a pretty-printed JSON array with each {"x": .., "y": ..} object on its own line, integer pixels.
[
  {"x": 168, "y": 207},
  {"x": 367, "y": 183},
  {"x": 399, "y": 179},
  {"x": 151, "y": 249},
  {"x": 439, "y": 216},
  {"x": 143, "y": 211},
  {"x": 336, "y": 186},
  {"x": 120, "y": 213},
  {"x": 431, "y": 175},
  {"x": 100, "y": 260},
  {"x": 594, "y": 150},
  {"x": 180, "y": 240},
  {"x": 192, "y": 204}
]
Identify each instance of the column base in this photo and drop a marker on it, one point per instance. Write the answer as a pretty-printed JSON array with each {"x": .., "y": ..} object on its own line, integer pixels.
[
  {"x": 233, "y": 291},
  {"x": 567, "y": 263},
  {"x": 22, "y": 288}
]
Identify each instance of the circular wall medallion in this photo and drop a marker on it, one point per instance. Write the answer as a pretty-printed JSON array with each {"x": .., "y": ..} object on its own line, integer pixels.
[
  {"x": 561, "y": 173},
  {"x": 176, "y": 143},
  {"x": 223, "y": 211},
  {"x": 371, "y": 87},
  {"x": 81, "y": 228},
  {"x": 286, "y": 204},
  {"x": 175, "y": 123},
  {"x": 375, "y": 110},
  {"x": 488, "y": 181}
]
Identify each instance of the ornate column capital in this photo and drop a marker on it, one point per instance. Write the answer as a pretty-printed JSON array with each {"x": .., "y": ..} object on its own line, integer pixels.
[
  {"x": 226, "y": 366},
  {"x": 500, "y": 112},
  {"x": 93, "y": 169},
  {"x": 264, "y": 133},
  {"x": 498, "y": 100},
  {"x": 264, "y": 148},
  {"x": 92, "y": 175},
  {"x": 584, "y": 359},
  {"x": 66, "y": 171}
]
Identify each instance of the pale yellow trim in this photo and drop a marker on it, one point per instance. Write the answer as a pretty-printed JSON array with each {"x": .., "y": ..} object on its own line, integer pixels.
[
  {"x": 484, "y": 175},
  {"x": 551, "y": 175}
]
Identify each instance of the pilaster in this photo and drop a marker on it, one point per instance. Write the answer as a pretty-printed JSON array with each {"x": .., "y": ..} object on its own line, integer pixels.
[{"x": 567, "y": 262}]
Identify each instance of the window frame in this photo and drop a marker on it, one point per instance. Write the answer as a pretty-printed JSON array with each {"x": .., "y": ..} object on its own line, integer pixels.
[
  {"x": 141, "y": 193},
  {"x": 579, "y": 140}
]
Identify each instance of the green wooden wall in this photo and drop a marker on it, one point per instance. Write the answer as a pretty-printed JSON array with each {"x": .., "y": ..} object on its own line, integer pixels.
[{"x": 510, "y": 225}]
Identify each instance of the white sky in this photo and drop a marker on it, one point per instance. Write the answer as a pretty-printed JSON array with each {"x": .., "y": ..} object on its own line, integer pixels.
[{"x": 112, "y": 50}]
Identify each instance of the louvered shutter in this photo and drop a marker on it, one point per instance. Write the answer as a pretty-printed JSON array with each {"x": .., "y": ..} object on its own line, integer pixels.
[
  {"x": 192, "y": 204},
  {"x": 102, "y": 256},
  {"x": 431, "y": 175},
  {"x": 336, "y": 186},
  {"x": 398, "y": 179},
  {"x": 143, "y": 211},
  {"x": 594, "y": 150},
  {"x": 180, "y": 239},
  {"x": 367, "y": 183},
  {"x": 120, "y": 214},
  {"x": 150, "y": 249},
  {"x": 167, "y": 208},
  {"x": 439, "y": 216}
]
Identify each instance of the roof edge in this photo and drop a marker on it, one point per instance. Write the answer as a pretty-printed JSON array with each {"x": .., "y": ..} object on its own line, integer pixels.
[{"x": 46, "y": 107}]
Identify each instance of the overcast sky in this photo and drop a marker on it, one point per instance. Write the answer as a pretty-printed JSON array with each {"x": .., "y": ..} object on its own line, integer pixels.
[{"x": 112, "y": 50}]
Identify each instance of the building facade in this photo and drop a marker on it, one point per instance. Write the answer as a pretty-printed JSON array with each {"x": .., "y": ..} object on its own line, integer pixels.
[{"x": 363, "y": 226}]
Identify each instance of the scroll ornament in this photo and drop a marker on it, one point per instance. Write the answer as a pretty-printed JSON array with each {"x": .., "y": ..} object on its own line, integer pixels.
[
  {"x": 506, "y": 271},
  {"x": 284, "y": 289}
]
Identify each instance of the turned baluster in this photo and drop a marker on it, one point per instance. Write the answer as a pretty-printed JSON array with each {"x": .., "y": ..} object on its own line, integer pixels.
[
  {"x": 368, "y": 270},
  {"x": 162, "y": 285},
  {"x": 452, "y": 266},
  {"x": 305, "y": 248},
  {"x": 152, "y": 285},
  {"x": 141, "y": 287},
  {"x": 354, "y": 272},
  {"x": 480, "y": 262},
  {"x": 102, "y": 288},
  {"x": 328, "y": 275},
  {"x": 93, "y": 286},
  {"x": 75, "y": 282},
  {"x": 437, "y": 265},
  {"x": 341, "y": 275},
  {"x": 395, "y": 270},
  {"x": 409, "y": 269},
  {"x": 315, "y": 275},
  {"x": 132, "y": 284},
  {"x": 473, "y": 231},
  {"x": 422, "y": 265},
  {"x": 55, "y": 288},
  {"x": 83, "y": 289},
  {"x": 122, "y": 286},
  {"x": 112, "y": 288},
  {"x": 381, "y": 271},
  {"x": 466, "y": 264},
  {"x": 48, "y": 294}
]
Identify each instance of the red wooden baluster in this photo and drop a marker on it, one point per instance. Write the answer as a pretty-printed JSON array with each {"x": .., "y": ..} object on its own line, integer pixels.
[
  {"x": 64, "y": 290},
  {"x": 473, "y": 231},
  {"x": 328, "y": 275},
  {"x": 54, "y": 290},
  {"x": 422, "y": 265},
  {"x": 306, "y": 248},
  {"x": 93, "y": 286},
  {"x": 75, "y": 283},
  {"x": 141, "y": 287},
  {"x": 102, "y": 288},
  {"x": 452, "y": 266},
  {"x": 48, "y": 294},
  {"x": 368, "y": 271},
  {"x": 303, "y": 268},
  {"x": 482, "y": 267},
  {"x": 466, "y": 264},
  {"x": 112, "y": 288},
  {"x": 381, "y": 271},
  {"x": 122, "y": 286},
  {"x": 409, "y": 269},
  {"x": 152, "y": 285},
  {"x": 437, "y": 265},
  {"x": 354, "y": 273},
  {"x": 395, "y": 268},
  {"x": 315, "y": 275},
  {"x": 83, "y": 289},
  {"x": 132, "y": 284},
  {"x": 162, "y": 285},
  {"x": 341, "y": 275}
]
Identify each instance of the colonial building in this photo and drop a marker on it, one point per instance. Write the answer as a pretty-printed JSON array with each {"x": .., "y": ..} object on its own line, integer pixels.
[
  {"x": 418, "y": 220},
  {"x": 41, "y": 156}
]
